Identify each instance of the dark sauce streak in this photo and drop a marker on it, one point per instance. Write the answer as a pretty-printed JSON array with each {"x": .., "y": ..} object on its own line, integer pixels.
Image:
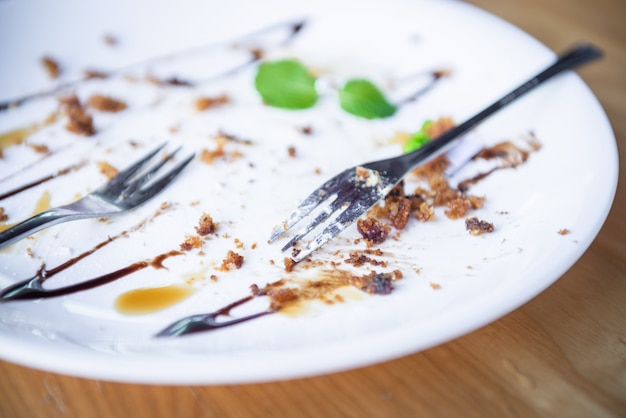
[
  {"x": 435, "y": 76},
  {"x": 42, "y": 180},
  {"x": 33, "y": 288},
  {"x": 209, "y": 322},
  {"x": 91, "y": 75}
]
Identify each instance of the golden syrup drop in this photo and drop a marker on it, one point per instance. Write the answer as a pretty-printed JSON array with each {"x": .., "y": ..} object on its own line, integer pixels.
[
  {"x": 151, "y": 299},
  {"x": 16, "y": 136}
]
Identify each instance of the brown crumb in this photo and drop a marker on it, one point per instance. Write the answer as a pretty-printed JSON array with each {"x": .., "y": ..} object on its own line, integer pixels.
[
  {"x": 477, "y": 227},
  {"x": 291, "y": 151},
  {"x": 106, "y": 103},
  {"x": 3, "y": 216},
  {"x": 172, "y": 81},
  {"x": 206, "y": 225},
  {"x": 232, "y": 260},
  {"x": 79, "y": 121},
  {"x": 564, "y": 231},
  {"x": 439, "y": 126},
  {"x": 204, "y": 102},
  {"x": 358, "y": 259},
  {"x": 107, "y": 169},
  {"x": 377, "y": 283},
  {"x": 110, "y": 40},
  {"x": 91, "y": 74},
  {"x": 289, "y": 264},
  {"x": 39, "y": 148},
  {"x": 51, "y": 66},
  {"x": 306, "y": 130},
  {"x": 435, "y": 286},
  {"x": 425, "y": 213},
  {"x": 373, "y": 231},
  {"x": 191, "y": 242}
]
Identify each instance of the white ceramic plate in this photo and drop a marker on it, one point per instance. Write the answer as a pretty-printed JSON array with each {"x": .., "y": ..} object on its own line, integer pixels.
[{"x": 453, "y": 282}]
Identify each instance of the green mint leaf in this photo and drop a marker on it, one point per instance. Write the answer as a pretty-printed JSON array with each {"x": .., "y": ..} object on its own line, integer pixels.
[
  {"x": 362, "y": 98},
  {"x": 286, "y": 84},
  {"x": 418, "y": 139}
]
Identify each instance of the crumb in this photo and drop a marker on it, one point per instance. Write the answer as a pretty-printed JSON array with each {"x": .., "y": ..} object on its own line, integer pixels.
[
  {"x": 306, "y": 130},
  {"x": 206, "y": 225},
  {"x": 291, "y": 151},
  {"x": 373, "y": 231},
  {"x": 3, "y": 216},
  {"x": 362, "y": 173},
  {"x": 425, "y": 213},
  {"x": 238, "y": 243},
  {"x": 204, "y": 103},
  {"x": 106, "y": 104},
  {"x": 289, "y": 264},
  {"x": 377, "y": 283},
  {"x": 439, "y": 126},
  {"x": 172, "y": 81},
  {"x": 253, "y": 246},
  {"x": 358, "y": 259},
  {"x": 563, "y": 231},
  {"x": 80, "y": 122},
  {"x": 435, "y": 286},
  {"x": 107, "y": 169},
  {"x": 40, "y": 149},
  {"x": 110, "y": 40},
  {"x": 51, "y": 66},
  {"x": 191, "y": 242},
  {"x": 477, "y": 227},
  {"x": 457, "y": 208},
  {"x": 232, "y": 260},
  {"x": 94, "y": 75}
]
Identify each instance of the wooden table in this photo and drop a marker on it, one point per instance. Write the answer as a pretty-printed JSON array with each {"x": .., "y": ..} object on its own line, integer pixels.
[{"x": 562, "y": 354}]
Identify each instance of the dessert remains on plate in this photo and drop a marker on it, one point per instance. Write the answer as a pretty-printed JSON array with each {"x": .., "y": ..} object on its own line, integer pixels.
[{"x": 264, "y": 136}]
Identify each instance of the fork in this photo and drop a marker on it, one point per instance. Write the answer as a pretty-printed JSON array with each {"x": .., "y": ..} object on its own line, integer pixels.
[
  {"x": 354, "y": 191},
  {"x": 122, "y": 193}
]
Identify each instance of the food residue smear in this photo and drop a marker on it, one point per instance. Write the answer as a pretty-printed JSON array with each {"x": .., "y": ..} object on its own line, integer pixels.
[{"x": 151, "y": 299}]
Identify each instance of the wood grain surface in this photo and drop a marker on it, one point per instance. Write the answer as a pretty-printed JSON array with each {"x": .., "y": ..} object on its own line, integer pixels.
[{"x": 561, "y": 355}]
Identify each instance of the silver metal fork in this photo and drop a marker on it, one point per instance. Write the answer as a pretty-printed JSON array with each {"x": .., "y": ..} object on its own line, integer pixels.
[
  {"x": 125, "y": 191},
  {"x": 355, "y": 190}
]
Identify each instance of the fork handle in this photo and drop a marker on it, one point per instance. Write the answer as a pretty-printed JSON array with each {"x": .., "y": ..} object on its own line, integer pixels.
[
  {"x": 36, "y": 223},
  {"x": 573, "y": 58}
]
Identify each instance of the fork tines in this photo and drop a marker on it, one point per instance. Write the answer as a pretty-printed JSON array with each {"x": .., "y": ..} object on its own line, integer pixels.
[
  {"x": 128, "y": 184},
  {"x": 345, "y": 200}
]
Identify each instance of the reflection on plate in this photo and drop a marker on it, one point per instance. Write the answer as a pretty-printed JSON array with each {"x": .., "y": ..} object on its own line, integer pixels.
[{"x": 254, "y": 162}]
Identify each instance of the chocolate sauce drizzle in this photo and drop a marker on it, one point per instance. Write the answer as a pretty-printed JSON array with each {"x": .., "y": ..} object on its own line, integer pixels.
[
  {"x": 42, "y": 180},
  {"x": 32, "y": 288},
  {"x": 209, "y": 321},
  {"x": 293, "y": 27}
]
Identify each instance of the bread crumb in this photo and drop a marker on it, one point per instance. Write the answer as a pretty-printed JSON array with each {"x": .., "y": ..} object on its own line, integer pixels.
[
  {"x": 107, "y": 169},
  {"x": 204, "y": 102},
  {"x": 106, "y": 103},
  {"x": 51, "y": 66},
  {"x": 477, "y": 227},
  {"x": 232, "y": 260},
  {"x": 191, "y": 242},
  {"x": 206, "y": 225}
]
